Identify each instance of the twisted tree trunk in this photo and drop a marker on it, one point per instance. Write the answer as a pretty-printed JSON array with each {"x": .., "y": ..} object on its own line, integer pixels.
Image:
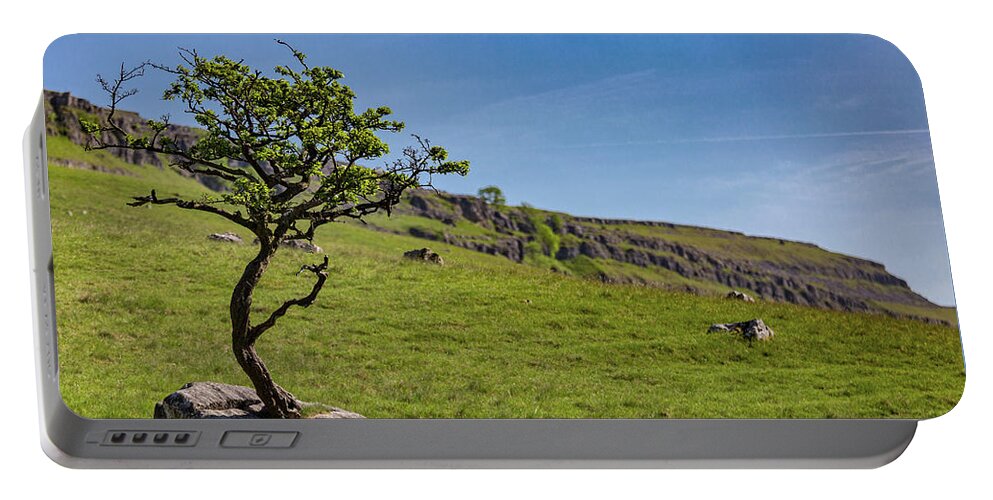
[{"x": 277, "y": 401}]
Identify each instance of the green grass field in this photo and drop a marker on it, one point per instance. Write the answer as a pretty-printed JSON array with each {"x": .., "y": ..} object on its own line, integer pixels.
[{"x": 142, "y": 300}]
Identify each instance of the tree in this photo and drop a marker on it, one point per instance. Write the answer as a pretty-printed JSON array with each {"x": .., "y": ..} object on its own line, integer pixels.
[
  {"x": 492, "y": 195},
  {"x": 547, "y": 238},
  {"x": 294, "y": 152}
]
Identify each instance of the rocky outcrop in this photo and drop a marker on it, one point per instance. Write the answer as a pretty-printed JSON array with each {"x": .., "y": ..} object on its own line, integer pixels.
[
  {"x": 216, "y": 400},
  {"x": 826, "y": 280},
  {"x": 511, "y": 248},
  {"x": 449, "y": 208},
  {"x": 64, "y": 111},
  {"x": 750, "y": 330}
]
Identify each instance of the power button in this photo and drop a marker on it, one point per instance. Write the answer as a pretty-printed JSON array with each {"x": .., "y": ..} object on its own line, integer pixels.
[{"x": 261, "y": 439}]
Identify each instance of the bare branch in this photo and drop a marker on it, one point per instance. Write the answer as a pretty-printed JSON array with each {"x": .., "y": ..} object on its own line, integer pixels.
[
  {"x": 296, "y": 53},
  {"x": 235, "y": 217},
  {"x": 320, "y": 270},
  {"x": 187, "y": 163}
]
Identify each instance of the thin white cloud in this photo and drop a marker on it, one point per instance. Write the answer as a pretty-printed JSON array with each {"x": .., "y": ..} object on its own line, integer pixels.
[
  {"x": 861, "y": 173},
  {"x": 578, "y": 95},
  {"x": 745, "y": 138},
  {"x": 749, "y": 138}
]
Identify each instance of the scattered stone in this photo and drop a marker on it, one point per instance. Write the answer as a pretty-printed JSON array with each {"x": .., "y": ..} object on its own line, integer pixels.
[
  {"x": 303, "y": 245},
  {"x": 225, "y": 237},
  {"x": 719, "y": 327},
  {"x": 217, "y": 400},
  {"x": 755, "y": 329},
  {"x": 736, "y": 295},
  {"x": 425, "y": 254}
]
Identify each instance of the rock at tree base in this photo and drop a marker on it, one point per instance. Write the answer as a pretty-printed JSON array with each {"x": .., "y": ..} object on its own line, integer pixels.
[
  {"x": 331, "y": 412},
  {"x": 755, "y": 329},
  {"x": 226, "y": 237},
  {"x": 337, "y": 413},
  {"x": 425, "y": 254},
  {"x": 210, "y": 400},
  {"x": 736, "y": 295},
  {"x": 216, "y": 400}
]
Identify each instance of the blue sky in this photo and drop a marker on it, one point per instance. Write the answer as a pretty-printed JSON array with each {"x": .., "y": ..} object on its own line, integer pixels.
[{"x": 814, "y": 138}]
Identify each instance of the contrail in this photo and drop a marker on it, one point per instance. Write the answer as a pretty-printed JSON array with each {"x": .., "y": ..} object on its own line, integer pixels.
[
  {"x": 744, "y": 138},
  {"x": 749, "y": 138}
]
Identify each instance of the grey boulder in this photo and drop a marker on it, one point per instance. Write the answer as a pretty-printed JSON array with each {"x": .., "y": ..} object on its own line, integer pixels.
[
  {"x": 225, "y": 237},
  {"x": 750, "y": 330},
  {"x": 736, "y": 295},
  {"x": 210, "y": 400},
  {"x": 302, "y": 245},
  {"x": 425, "y": 254}
]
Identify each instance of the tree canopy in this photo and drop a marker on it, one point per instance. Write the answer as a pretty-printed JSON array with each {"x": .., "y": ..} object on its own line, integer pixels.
[
  {"x": 492, "y": 195},
  {"x": 292, "y": 146}
]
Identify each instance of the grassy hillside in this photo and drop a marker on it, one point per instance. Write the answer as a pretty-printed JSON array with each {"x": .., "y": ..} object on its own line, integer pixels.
[{"x": 142, "y": 309}]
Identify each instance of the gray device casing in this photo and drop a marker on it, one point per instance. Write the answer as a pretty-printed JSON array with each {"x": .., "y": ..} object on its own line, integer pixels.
[{"x": 74, "y": 441}]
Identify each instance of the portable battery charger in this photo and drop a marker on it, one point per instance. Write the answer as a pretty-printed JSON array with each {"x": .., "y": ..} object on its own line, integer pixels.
[{"x": 486, "y": 251}]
